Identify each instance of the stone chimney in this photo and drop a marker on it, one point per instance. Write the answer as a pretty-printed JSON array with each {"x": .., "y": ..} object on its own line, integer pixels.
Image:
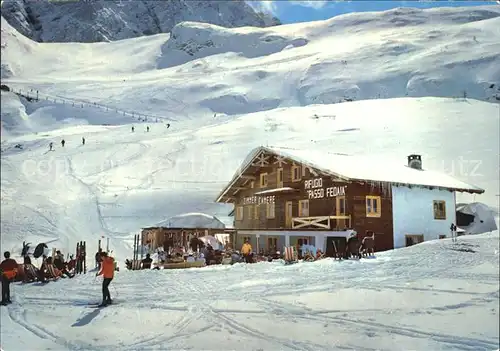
[{"x": 415, "y": 161}]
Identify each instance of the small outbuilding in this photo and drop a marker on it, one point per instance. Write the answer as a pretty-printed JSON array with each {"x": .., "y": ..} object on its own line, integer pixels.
[{"x": 177, "y": 231}]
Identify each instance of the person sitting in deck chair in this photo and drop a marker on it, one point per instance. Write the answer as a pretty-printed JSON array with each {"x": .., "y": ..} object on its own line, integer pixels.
[
  {"x": 52, "y": 272},
  {"x": 319, "y": 254},
  {"x": 162, "y": 256},
  {"x": 60, "y": 265},
  {"x": 71, "y": 263},
  {"x": 146, "y": 263},
  {"x": 31, "y": 272}
]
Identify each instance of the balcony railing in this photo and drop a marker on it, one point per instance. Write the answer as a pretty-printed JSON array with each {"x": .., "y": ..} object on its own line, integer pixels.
[{"x": 322, "y": 222}]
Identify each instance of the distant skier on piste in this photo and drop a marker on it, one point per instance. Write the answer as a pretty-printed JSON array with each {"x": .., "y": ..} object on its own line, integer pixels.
[
  {"x": 83, "y": 141},
  {"x": 133, "y": 129},
  {"x": 63, "y": 142},
  {"x": 107, "y": 271},
  {"x": 51, "y": 144}
]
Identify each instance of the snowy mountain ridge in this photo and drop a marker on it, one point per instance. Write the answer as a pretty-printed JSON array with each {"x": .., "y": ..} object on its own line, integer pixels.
[
  {"x": 202, "y": 69},
  {"x": 102, "y": 21}
]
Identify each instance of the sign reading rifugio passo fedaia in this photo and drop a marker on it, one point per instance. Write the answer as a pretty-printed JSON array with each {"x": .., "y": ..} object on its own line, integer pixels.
[{"x": 315, "y": 189}]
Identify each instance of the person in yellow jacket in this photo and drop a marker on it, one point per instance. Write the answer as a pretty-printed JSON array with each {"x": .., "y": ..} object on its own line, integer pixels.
[
  {"x": 246, "y": 251},
  {"x": 107, "y": 271}
]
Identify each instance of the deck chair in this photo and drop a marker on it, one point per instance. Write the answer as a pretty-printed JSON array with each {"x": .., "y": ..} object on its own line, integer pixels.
[
  {"x": 30, "y": 273},
  {"x": 308, "y": 256},
  {"x": 337, "y": 252},
  {"x": 367, "y": 246},
  {"x": 291, "y": 254},
  {"x": 136, "y": 265},
  {"x": 20, "y": 274},
  {"x": 320, "y": 255},
  {"x": 53, "y": 272}
]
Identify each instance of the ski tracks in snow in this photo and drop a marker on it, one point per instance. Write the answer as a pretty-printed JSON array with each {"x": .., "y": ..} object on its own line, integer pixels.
[{"x": 18, "y": 314}]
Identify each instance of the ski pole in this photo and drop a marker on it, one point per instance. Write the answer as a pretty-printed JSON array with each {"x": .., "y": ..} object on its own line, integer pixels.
[{"x": 116, "y": 291}]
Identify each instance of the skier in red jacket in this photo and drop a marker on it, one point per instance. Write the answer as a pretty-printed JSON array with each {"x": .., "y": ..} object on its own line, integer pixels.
[
  {"x": 107, "y": 271},
  {"x": 8, "y": 268}
]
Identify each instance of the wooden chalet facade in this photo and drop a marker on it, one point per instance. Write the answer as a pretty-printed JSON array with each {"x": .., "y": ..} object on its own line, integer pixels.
[{"x": 280, "y": 200}]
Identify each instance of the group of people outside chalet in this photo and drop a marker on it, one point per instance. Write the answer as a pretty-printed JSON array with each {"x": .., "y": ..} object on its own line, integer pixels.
[
  {"x": 51, "y": 269},
  {"x": 199, "y": 250}
]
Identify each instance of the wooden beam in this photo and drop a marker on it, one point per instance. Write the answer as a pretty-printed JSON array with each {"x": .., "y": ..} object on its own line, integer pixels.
[{"x": 245, "y": 176}]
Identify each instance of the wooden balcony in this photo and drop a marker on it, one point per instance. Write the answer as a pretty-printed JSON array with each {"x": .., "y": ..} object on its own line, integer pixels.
[{"x": 322, "y": 222}]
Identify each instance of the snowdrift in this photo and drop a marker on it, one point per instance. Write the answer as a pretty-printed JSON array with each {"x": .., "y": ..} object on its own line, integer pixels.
[
  {"x": 483, "y": 218},
  {"x": 191, "y": 40},
  {"x": 15, "y": 120}
]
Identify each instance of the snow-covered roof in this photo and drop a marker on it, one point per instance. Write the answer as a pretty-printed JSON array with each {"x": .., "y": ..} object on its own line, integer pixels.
[
  {"x": 363, "y": 168},
  {"x": 373, "y": 168},
  {"x": 277, "y": 190},
  {"x": 484, "y": 218},
  {"x": 192, "y": 220}
]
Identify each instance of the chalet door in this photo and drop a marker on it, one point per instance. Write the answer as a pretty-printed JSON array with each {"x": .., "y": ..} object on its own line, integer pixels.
[
  {"x": 288, "y": 214},
  {"x": 340, "y": 211}
]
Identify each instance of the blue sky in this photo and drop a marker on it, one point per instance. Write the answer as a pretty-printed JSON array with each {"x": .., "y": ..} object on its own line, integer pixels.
[{"x": 303, "y": 11}]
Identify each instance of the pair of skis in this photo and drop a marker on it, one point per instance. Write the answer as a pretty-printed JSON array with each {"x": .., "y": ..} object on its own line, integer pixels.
[{"x": 98, "y": 305}]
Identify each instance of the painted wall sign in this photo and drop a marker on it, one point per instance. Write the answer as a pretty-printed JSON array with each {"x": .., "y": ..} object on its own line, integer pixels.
[
  {"x": 315, "y": 189},
  {"x": 249, "y": 200}
]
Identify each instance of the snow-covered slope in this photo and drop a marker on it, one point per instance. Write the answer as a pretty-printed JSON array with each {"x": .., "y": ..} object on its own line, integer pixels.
[
  {"x": 433, "y": 296},
  {"x": 97, "y": 21},
  {"x": 121, "y": 181},
  {"x": 222, "y": 100},
  {"x": 202, "y": 68}
]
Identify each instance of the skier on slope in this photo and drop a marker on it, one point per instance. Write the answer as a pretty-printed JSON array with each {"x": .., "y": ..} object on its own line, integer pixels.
[
  {"x": 63, "y": 142},
  {"x": 83, "y": 141},
  {"x": 147, "y": 129},
  {"x": 8, "y": 269},
  {"x": 51, "y": 144},
  {"x": 107, "y": 271},
  {"x": 133, "y": 129}
]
